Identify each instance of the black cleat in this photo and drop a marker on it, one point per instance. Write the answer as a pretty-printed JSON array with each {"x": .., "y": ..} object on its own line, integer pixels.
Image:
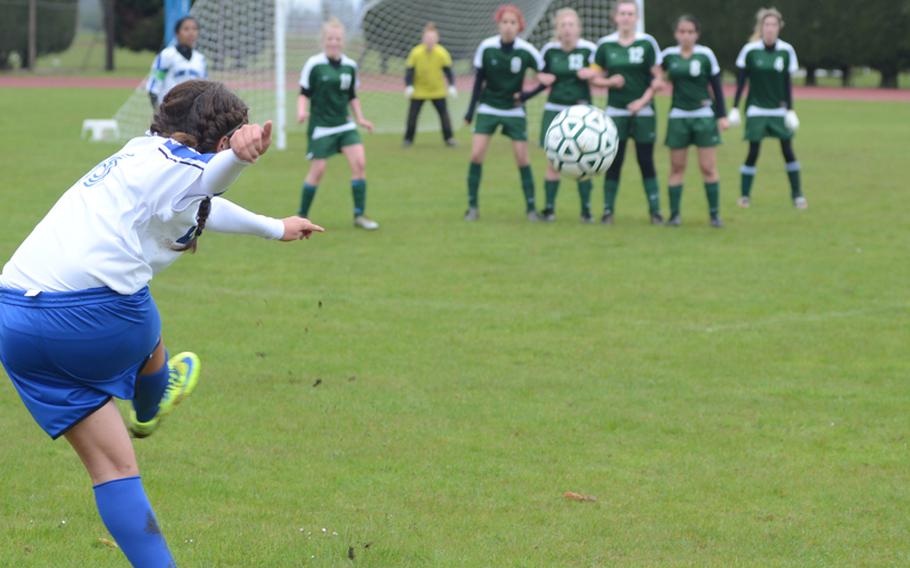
[
  {"x": 548, "y": 215},
  {"x": 657, "y": 219},
  {"x": 716, "y": 222},
  {"x": 674, "y": 221},
  {"x": 606, "y": 218},
  {"x": 586, "y": 218}
]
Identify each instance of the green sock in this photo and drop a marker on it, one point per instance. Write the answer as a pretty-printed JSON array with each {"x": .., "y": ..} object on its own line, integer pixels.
[
  {"x": 527, "y": 186},
  {"x": 552, "y": 188},
  {"x": 306, "y": 198},
  {"x": 793, "y": 174},
  {"x": 712, "y": 191},
  {"x": 652, "y": 191},
  {"x": 611, "y": 188},
  {"x": 675, "y": 192},
  {"x": 584, "y": 192},
  {"x": 359, "y": 189},
  {"x": 747, "y": 176},
  {"x": 474, "y": 171}
]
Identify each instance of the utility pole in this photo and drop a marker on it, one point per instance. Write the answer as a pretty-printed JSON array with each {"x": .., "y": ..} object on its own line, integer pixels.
[
  {"x": 32, "y": 33},
  {"x": 108, "y": 14}
]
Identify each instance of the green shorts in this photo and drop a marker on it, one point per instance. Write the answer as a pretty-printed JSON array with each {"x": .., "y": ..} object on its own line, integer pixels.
[
  {"x": 327, "y": 146},
  {"x": 642, "y": 129},
  {"x": 701, "y": 131},
  {"x": 758, "y": 127},
  {"x": 515, "y": 127}
]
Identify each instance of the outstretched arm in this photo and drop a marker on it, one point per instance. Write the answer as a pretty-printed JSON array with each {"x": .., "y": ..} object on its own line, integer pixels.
[{"x": 228, "y": 217}]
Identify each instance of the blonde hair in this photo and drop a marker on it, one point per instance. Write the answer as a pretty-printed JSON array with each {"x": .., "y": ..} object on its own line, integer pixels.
[
  {"x": 332, "y": 23},
  {"x": 760, "y": 17},
  {"x": 559, "y": 15}
]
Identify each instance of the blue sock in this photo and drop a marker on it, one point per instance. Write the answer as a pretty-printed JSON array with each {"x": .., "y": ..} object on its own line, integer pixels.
[
  {"x": 149, "y": 390},
  {"x": 129, "y": 518}
]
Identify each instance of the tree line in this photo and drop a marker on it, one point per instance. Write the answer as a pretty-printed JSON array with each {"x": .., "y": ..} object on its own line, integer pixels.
[{"x": 827, "y": 34}]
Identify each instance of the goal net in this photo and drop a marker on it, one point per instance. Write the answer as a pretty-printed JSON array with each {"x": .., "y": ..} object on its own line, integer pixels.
[{"x": 258, "y": 48}]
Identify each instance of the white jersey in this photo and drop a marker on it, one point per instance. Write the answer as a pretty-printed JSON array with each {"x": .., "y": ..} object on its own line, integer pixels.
[
  {"x": 118, "y": 225},
  {"x": 171, "y": 68}
]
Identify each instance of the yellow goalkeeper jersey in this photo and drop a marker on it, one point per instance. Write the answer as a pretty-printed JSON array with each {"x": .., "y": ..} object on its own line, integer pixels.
[{"x": 429, "y": 80}]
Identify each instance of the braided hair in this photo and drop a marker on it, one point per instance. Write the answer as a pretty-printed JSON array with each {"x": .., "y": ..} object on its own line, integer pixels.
[{"x": 198, "y": 114}]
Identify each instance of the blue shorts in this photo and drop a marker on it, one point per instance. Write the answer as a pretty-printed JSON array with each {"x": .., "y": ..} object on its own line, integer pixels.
[{"x": 68, "y": 353}]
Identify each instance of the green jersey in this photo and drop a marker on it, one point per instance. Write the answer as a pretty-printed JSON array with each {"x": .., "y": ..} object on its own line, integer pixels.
[
  {"x": 767, "y": 69},
  {"x": 565, "y": 65},
  {"x": 691, "y": 76},
  {"x": 330, "y": 85},
  {"x": 633, "y": 62},
  {"x": 504, "y": 72}
]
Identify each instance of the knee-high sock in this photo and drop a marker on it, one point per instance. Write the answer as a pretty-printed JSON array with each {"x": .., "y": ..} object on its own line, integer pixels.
[
  {"x": 675, "y": 192},
  {"x": 474, "y": 173},
  {"x": 551, "y": 187},
  {"x": 747, "y": 172},
  {"x": 611, "y": 188},
  {"x": 307, "y": 194},
  {"x": 149, "y": 390},
  {"x": 359, "y": 191},
  {"x": 584, "y": 193},
  {"x": 129, "y": 518},
  {"x": 652, "y": 192},
  {"x": 746, "y": 177},
  {"x": 527, "y": 186},
  {"x": 712, "y": 192},
  {"x": 793, "y": 174}
]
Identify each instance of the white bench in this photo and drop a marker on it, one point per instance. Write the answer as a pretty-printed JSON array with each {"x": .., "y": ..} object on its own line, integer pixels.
[{"x": 100, "y": 129}]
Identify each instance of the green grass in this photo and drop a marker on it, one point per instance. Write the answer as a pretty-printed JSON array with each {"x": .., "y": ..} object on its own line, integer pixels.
[
  {"x": 86, "y": 57},
  {"x": 732, "y": 398}
]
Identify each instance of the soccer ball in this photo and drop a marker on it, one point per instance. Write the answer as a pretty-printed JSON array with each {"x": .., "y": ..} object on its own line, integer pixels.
[{"x": 581, "y": 141}]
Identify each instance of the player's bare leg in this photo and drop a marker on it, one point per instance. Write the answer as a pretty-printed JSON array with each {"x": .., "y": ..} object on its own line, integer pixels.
[
  {"x": 357, "y": 160},
  {"x": 678, "y": 159},
  {"x": 310, "y": 184},
  {"x": 479, "y": 145},
  {"x": 707, "y": 163},
  {"x": 520, "y": 149},
  {"x": 104, "y": 446}
]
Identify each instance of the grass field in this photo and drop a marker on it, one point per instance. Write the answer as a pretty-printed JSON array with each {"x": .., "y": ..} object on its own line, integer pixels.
[{"x": 424, "y": 395}]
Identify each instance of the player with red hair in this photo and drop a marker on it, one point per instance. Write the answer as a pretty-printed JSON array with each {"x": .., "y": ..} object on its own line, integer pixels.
[{"x": 500, "y": 63}]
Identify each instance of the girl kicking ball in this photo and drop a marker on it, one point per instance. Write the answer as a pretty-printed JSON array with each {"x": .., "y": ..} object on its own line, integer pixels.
[{"x": 78, "y": 325}]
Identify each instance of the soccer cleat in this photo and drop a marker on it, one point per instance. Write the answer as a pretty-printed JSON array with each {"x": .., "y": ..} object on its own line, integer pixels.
[
  {"x": 586, "y": 219},
  {"x": 364, "y": 222},
  {"x": 607, "y": 218},
  {"x": 674, "y": 221},
  {"x": 716, "y": 222},
  {"x": 800, "y": 203},
  {"x": 472, "y": 214},
  {"x": 657, "y": 219},
  {"x": 451, "y": 143},
  {"x": 407, "y": 143},
  {"x": 183, "y": 374},
  {"x": 744, "y": 202},
  {"x": 533, "y": 216},
  {"x": 548, "y": 215}
]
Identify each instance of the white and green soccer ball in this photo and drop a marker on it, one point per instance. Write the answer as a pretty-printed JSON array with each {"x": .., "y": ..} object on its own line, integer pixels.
[{"x": 581, "y": 141}]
